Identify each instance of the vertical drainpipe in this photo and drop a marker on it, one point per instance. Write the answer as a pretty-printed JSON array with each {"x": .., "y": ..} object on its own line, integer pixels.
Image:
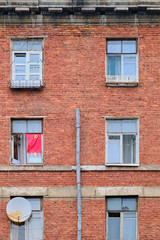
[{"x": 78, "y": 172}]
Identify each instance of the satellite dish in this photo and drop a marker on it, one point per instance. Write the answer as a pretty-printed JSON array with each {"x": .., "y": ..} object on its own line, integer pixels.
[{"x": 18, "y": 209}]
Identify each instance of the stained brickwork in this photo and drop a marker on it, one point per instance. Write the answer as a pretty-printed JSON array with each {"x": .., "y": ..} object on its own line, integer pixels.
[{"x": 74, "y": 76}]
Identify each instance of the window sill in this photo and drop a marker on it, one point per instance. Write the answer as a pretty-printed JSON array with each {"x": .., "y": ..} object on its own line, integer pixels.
[
  {"x": 121, "y": 84},
  {"x": 121, "y": 165},
  {"x": 26, "y": 84},
  {"x": 38, "y": 167},
  {"x": 28, "y": 165}
]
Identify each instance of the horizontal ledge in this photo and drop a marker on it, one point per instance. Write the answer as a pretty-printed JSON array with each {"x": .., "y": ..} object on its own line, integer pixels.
[
  {"x": 121, "y": 84},
  {"x": 101, "y": 192},
  {"x": 136, "y": 167},
  {"x": 74, "y": 7},
  {"x": 88, "y": 9},
  {"x": 80, "y": 19},
  {"x": 123, "y": 9},
  {"x": 84, "y": 168},
  {"x": 48, "y": 168},
  {"x": 153, "y": 9},
  {"x": 87, "y": 192},
  {"x": 22, "y": 9},
  {"x": 54, "y": 10},
  {"x": 26, "y": 87}
]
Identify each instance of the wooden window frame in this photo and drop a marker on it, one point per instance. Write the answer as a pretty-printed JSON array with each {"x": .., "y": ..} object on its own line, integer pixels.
[
  {"x": 121, "y": 134},
  {"x": 121, "y": 212},
  {"x": 23, "y": 147},
  {"x": 120, "y": 80}
]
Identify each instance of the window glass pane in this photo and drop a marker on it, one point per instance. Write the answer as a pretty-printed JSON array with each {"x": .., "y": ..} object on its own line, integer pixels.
[
  {"x": 35, "y": 204},
  {"x": 20, "y": 45},
  {"x": 130, "y": 214},
  {"x": 114, "y": 204},
  {"x": 34, "y": 68},
  {"x": 129, "y": 46},
  {"x": 129, "y": 226},
  {"x": 35, "y": 226},
  {"x": 21, "y": 232},
  {"x": 18, "y": 231},
  {"x": 114, "y": 149},
  {"x": 129, "y": 204},
  {"x": 34, "y": 158},
  {"x": 113, "y": 65},
  {"x": 34, "y": 126},
  {"x": 134, "y": 149},
  {"x": 20, "y": 58},
  {"x": 114, "y": 47},
  {"x": 35, "y": 45},
  {"x": 19, "y": 69},
  {"x": 34, "y": 77},
  {"x": 20, "y": 77},
  {"x": 129, "y": 149},
  {"x": 34, "y": 58},
  {"x": 129, "y": 126},
  {"x": 114, "y": 126},
  {"x": 114, "y": 228},
  {"x": 129, "y": 65},
  {"x": 18, "y": 149},
  {"x": 19, "y": 126}
]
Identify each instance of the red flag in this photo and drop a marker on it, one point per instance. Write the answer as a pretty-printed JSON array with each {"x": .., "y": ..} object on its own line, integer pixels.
[{"x": 34, "y": 143}]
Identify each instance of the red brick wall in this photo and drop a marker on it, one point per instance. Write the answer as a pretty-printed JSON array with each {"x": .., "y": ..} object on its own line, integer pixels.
[
  {"x": 93, "y": 219},
  {"x": 4, "y": 221},
  {"x": 60, "y": 219},
  {"x": 37, "y": 179},
  {"x": 149, "y": 215},
  {"x": 74, "y": 75},
  {"x": 122, "y": 178}
]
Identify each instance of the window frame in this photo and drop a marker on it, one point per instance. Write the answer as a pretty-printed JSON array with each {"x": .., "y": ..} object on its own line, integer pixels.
[
  {"x": 121, "y": 212},
  {"x": 120, "y": 78},
  {"x": 27, "y": 82},
  {"x": 24, "y": 161},
  {"x": 121, "y": 134},
  {"x": 26, "y": 224}
]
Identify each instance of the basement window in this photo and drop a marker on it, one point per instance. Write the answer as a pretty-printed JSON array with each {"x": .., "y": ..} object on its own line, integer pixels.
[
  {"x": 122, "y": 63},
  {"x": 26, "y": 142},
  {"x": 121, "y": 218},
  {"x": 26, "y": 64},
  {"x": 32, "y": 228},
  {"x": 122, "y": 142}
]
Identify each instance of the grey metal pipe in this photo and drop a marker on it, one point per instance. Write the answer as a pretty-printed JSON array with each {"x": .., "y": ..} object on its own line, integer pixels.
[{"x": 78, "y": 172}]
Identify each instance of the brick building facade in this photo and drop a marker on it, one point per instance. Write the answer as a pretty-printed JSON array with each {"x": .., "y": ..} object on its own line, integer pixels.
[{"x": 103, "y": 58}]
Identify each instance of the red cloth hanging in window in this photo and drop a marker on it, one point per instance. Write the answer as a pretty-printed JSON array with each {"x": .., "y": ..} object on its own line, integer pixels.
[{"x": 34, "y": 143}]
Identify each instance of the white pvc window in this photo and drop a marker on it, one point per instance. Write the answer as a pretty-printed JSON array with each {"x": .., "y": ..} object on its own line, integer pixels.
[
  {"x": 32, "y": 229},
  {"x": 121, "y": 218},
  {"x": 122, "y": 61},
  {"x": 27, "y": 142},
  {"x": 27, "y": 62},
  {"x": 122, "y": 141}
]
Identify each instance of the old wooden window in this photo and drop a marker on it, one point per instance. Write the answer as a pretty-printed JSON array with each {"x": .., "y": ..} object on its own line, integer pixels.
[
  {"x": 121, "y": 218},
  {"x": 26, "y": 63},
  {"x": 31, "y": 229},
  {"x": 122, "y": 141},
  {"x": 122, "y": 61},
  {"x": 27, "y": 141}
]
